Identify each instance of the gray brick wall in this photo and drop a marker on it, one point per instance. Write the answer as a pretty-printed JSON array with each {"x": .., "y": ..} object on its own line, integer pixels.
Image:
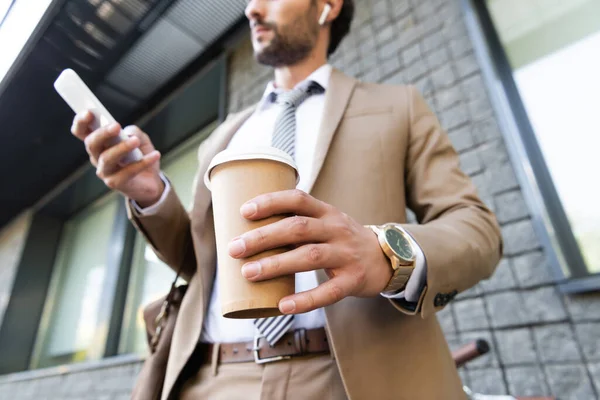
[
  {"x": 12, "y": 240},
  {"x": 543, "y": 342}
]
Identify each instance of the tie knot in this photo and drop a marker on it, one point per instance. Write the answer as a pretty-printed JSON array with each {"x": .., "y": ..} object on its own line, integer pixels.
[{"x": 296, "y": 96}]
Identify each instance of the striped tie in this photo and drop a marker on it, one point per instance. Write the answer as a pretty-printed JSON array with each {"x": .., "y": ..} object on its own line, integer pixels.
[
  {"x": 284, "y": 134},
  {"x": 284, "y": 138}
]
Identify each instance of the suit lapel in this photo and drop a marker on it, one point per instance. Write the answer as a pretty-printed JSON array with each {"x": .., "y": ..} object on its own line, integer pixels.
[{"x": 337, "y": 97}]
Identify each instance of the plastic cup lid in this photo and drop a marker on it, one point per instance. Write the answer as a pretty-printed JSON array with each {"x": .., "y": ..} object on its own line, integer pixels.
[{"x": 255, "y": 153}]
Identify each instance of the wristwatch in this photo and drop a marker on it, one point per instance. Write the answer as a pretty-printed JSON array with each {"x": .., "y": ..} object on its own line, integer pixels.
[{"x": 398, "y": 246}]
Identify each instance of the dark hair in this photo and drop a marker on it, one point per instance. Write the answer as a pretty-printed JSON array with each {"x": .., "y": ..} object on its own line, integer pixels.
[{"x": 341, "y": 26}]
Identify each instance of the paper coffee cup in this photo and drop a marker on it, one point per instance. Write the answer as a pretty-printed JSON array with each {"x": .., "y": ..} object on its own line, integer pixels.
[{"x": 234, "y": 177}]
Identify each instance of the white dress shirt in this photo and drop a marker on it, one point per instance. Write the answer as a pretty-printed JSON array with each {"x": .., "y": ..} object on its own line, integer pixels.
[{"x": 257, "y": 131}]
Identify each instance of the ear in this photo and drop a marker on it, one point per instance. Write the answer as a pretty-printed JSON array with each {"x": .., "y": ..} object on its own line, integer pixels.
[{"x": 330, "y": 11}]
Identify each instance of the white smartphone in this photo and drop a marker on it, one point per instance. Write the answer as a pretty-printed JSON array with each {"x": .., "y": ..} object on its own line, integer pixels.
[{"x": 80, "y": 98}]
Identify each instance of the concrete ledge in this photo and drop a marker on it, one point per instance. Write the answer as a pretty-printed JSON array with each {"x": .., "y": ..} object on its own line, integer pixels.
[{"x": 71, "y": 368}]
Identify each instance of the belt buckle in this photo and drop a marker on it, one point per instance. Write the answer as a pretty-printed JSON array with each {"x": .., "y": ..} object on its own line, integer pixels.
[{"x": 265, "y": 360}]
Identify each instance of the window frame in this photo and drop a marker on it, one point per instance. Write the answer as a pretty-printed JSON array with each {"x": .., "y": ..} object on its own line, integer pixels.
[
  {"x": 57, "y": 282},
  {"x": 566, "y": 262}
]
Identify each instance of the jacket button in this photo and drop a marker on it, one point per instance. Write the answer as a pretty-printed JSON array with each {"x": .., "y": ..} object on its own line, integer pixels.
[{"x": 441, "y": 299}]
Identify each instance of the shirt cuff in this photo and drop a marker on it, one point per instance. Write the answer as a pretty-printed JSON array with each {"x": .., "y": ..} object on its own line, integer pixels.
[
  {"x": 417, "y": 280},
  {"x": 153, "y": 209}
]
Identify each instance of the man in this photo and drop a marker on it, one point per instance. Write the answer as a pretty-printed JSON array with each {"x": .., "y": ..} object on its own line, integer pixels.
[{"x": 363, "y": 324}]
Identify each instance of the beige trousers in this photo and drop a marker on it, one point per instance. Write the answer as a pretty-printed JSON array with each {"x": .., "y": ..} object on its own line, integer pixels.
[{"x": 312, "y": 377}]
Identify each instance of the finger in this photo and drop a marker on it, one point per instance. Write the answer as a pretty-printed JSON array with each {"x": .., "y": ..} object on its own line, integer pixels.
[
  {"x": 109, "y": 159},
  {"x": 81, "y": 124},
  {"x": 309, "y": 257},
  {"x": 294, "y": 201},
  {"x": 97, "y": 141},
  {"x": 288, "y": 231},
  {"x": 125, "y": 174},
  {"x": 323, "y": 295},
  {"x": 132, "y": 130}
]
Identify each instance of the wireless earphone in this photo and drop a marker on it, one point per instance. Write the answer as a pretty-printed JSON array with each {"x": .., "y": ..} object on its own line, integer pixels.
[{"x": 324, "y": 14}]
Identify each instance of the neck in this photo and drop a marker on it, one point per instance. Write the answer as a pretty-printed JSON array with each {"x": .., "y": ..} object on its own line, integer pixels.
[{"x": 289, "y": 76}]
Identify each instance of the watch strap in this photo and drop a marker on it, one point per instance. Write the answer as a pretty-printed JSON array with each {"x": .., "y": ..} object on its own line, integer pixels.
[
  {"x": 399, "y": 279},
  {"x": 375, "y": 228}
]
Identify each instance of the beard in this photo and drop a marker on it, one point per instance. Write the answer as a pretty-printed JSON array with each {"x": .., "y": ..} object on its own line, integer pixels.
[{"x": 290, "y": 43}]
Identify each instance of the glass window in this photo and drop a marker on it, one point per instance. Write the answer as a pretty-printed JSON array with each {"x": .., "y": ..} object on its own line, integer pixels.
[
  {"x": 150, "y": 277},
  {"x": 69, "y": 325},
  {"x": 553, "y": 50}
]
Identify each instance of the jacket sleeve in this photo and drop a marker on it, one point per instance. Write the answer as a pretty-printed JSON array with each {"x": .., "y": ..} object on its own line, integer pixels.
[
  {"x": 168, "y": 232},
  {"x": 458, "y": 234}
]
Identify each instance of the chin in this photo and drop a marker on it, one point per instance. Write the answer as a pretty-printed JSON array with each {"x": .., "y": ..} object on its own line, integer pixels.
[
  {"x": 260, "y": 50},
  {"x": 260, "y": 45}
]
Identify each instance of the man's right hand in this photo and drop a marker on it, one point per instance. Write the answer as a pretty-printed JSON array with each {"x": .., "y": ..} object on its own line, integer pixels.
[{"x": 139, "y": 181}]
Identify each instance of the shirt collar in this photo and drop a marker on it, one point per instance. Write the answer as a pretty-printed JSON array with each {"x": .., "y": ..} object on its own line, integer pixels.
[{"x": 321, "y": 75}]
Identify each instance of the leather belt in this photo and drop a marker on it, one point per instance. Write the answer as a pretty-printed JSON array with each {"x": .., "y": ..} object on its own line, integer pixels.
[{"x": 292, "y": 344}]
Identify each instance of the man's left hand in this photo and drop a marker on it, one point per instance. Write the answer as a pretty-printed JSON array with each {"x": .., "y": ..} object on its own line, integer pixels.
[{"x": 322, "y": 237}]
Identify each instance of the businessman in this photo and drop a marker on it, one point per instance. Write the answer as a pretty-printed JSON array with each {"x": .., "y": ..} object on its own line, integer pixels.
[{"x": 362, "y": 323}]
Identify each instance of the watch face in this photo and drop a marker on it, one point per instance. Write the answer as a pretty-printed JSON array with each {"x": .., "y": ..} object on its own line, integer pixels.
[{"x": 399, "y": 244}]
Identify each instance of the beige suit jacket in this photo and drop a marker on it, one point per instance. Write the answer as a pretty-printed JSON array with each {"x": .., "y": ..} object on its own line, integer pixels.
[{"x": 380, "y": 150}]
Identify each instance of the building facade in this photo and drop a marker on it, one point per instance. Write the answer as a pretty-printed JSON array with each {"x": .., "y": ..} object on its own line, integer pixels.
[{"x": 477, "y": 64}]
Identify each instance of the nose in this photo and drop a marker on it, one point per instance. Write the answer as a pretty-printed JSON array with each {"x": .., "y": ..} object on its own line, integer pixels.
[{"x": 255, "y": 10}]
